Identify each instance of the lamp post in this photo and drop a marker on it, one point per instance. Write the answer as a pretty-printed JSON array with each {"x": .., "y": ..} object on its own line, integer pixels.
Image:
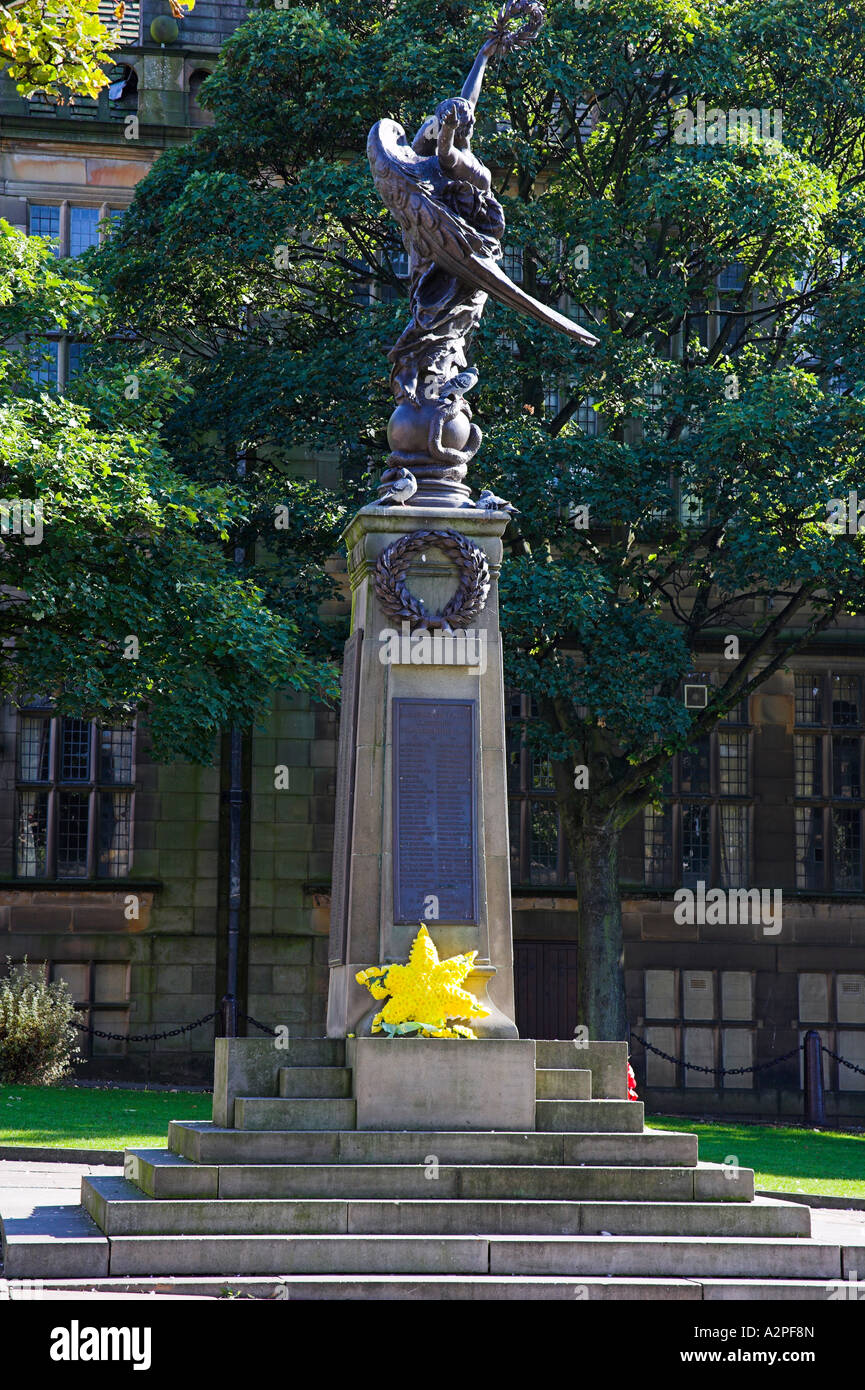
[{"x": 235, "y": 796}]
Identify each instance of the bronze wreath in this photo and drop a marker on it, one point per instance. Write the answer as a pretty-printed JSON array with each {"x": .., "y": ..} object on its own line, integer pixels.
[{"x": 472, "y": 590}]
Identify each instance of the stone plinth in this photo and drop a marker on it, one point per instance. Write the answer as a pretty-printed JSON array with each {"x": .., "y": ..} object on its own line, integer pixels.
[
  {"x": 243, "y": 1067},
  {"x": 443, "y": 1083},
  {"x": 367, "y": 927}
]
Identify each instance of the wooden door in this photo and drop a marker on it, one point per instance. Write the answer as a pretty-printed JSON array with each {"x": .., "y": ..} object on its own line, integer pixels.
[{"x": 545, "y": 980}]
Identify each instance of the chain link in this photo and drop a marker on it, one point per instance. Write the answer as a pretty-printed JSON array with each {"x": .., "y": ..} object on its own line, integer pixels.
[
  {"x": 843, "y": 1061},
  {"x": 146, "y": 1037},
  {"x": 739, "y": 1071},
  {"x": 254, "y": 1021},
  {"x": 720, "y": 1071}
]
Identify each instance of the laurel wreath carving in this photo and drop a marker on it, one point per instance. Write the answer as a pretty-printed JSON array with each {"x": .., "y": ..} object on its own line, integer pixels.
[
  {"x": 506, "y": 41},
  {"x": 402, "y": 606}
]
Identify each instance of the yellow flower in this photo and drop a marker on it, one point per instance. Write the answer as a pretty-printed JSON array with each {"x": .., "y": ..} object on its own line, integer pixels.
[{"x": 425, "y": 990}]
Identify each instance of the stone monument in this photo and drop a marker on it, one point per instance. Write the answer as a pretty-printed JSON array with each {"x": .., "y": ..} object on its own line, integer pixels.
[{"x": 421, "y": 819}]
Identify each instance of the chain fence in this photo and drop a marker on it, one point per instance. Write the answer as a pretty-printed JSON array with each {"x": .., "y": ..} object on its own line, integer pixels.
[
  {"x": 255, "y": 1023},
  {"x": 146, "y": 1037},
  {"x": 667, "y": 1056},
  {"x": 169, "y": 1032},
  {"x": 740, "y": 1071}
]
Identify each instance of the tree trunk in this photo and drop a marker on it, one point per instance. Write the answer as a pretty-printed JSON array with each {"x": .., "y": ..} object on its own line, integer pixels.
[{"x": 601, "y": 1008}]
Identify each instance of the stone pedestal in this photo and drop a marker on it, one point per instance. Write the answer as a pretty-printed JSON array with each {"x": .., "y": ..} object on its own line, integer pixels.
[
  {"x": 380, "y": 851},
  {"x": 438, "y": 1083}
]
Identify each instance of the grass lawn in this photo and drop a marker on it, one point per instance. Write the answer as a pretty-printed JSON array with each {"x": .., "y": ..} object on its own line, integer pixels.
[
  {"x": 784, "y": 1159},
  {"x": 83, "y": 1117}
]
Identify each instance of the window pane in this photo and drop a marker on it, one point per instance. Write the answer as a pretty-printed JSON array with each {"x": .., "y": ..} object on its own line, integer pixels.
[
  {"x": 83, "y": 229},
  {"x": 72, "y": 821},
  {"x": 44, "y": 221},
  {"x": 32, "y": 834},
  {"x": 733, "y": 277},
  {"x": 809, "y": 847},
  {"x": 735, "y": 866},
  {"x": 115, "y": 840},
  {"x": 658, "y": 847},
  {"x": 514, "y": 745},
  {"x": 738, "y": 1051},
  {"x": 699, "y": 1052},
  {"x": 846, "y": 850},
  {"x": 808, "y": 699},
  {"x": 75, "y": 751},
  {"x": 694, "y": 769},
  {"x": 587, "y": 417},
  {"x": 661, "y": 994},
  {"x": 542, "y": 773},
  {"x": 733, "y": 763},
  {"x": 737, "y": 715},
  {"x": 845, "y": 767},
  {"x": 692, "y": 509},
  {"x": 512, "y": 263},
  {"x": 43, "y": 363},
  {"x": 845, "y": 700},
  {"x": 695, "y": 845},
  {"x": 398, "y": 257},
  {"x": 544, "y": 843},
  {"x": 808, "y": 764},
  {"x": 514, "y": 835},
  {"x": 34, "y": 758},
  {"x": 115, "y": 755},
  {"x": 78, "y": 358}
]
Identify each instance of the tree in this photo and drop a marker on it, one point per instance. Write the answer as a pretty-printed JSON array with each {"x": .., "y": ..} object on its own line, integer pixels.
[
  {"x": 246, "y": 259},
  {"x": 118, "y": 588},
  {"x": 60, "y": 47}
]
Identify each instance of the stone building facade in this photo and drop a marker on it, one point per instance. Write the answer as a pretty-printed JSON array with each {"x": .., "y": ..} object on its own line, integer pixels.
[{"x": 113, "y": 867}]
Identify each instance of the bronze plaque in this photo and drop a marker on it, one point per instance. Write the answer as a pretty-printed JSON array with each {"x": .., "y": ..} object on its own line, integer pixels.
[{"x": 434, "y": 810}]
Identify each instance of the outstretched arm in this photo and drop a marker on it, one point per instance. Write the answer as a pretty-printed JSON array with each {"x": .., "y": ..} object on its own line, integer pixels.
[{"x": 473, "y": 83}]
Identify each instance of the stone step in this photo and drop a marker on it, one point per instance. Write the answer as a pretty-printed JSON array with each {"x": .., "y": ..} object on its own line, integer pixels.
[
  {"x": 598, "y": 1116},
  {"x": 317, "y": 1082},
  {"x": 160, "y": 1173},
  {"x": 509, "y": 1182},
  {"x": 608, "y": 1063},
  {"x": 574, "y": 1257},
  {"x": 60, "y": 1241},
  {"x": 697, "y": 1257},
  {"x": 275, "y": 1113},
  {"x": 205, "y": 1143},
  {"x": 452, "y": 1287},
  {"x": 120, "y": 1209},
  {"x": 385, "y": 1287},
  {"x": 313, "y": 1052},
  {"x": 289, "y": 1254},
  {"x": 563, "y": 1083}
]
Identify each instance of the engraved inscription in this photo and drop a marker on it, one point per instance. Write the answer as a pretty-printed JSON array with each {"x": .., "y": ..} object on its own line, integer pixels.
[{"x": 435, "y": 841}]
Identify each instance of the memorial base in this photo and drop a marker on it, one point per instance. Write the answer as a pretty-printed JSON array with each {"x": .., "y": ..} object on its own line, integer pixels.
[{"x": 442, "y": 1083}]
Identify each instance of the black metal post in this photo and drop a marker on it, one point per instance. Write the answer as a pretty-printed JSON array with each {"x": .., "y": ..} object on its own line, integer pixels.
[
  {"x": 815, "y": 1107},
  {"x": 235, "y": 799},
  {"x": 235, "y": 811}
]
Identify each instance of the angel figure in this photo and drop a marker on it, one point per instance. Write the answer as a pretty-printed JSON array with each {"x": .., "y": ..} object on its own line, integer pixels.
[{"x": 440, "y": 195}]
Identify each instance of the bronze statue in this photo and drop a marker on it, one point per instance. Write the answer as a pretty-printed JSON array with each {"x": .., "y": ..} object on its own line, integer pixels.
[{"x": 441, "y": 196}]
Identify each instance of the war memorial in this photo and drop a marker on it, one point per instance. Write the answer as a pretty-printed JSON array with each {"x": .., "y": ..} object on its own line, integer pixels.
[{"x": 422, "y": 1148}]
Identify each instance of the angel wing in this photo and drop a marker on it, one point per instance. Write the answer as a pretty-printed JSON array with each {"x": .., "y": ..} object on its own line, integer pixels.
[{"x": 408, "y": 184}]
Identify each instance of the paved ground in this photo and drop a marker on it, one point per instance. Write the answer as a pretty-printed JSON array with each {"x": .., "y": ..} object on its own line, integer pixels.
[{"x": 25, "y": 1186}]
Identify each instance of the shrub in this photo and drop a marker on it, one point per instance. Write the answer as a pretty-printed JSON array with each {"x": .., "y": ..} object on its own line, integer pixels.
[{"x": 38, "y": 1038}]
